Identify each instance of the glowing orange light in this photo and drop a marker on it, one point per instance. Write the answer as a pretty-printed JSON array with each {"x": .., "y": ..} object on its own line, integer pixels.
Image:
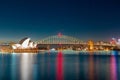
[{"x": 91, "y": 45}]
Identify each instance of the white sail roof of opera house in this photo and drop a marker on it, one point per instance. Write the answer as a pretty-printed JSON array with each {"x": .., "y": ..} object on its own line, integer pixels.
[
  {"x": 24, "y": 43},
  {"x": 15, "y": 46}
]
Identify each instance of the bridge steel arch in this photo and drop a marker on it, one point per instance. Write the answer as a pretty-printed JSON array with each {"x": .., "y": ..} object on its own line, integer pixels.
[{"x": 60, "y": 40}]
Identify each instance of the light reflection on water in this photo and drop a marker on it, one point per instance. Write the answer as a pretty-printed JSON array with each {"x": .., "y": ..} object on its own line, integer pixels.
[
  {"x": 113, "y": 68},
  {"x": 13, "y": 67},
  {"x": 58, "y": 66},
  {"x": 91, "y": 68},
  {"x": 26, "y": 66}
]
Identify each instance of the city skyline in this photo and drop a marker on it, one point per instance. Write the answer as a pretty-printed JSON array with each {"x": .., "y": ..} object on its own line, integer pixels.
[{"x": 96, "y": 20}]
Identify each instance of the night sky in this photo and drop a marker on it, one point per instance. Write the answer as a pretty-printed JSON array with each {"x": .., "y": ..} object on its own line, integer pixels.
[{"x": 85, "y": 19}]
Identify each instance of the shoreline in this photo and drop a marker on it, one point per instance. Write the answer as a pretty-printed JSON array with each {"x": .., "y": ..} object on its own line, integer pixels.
[{"x": 101, "y": 52}]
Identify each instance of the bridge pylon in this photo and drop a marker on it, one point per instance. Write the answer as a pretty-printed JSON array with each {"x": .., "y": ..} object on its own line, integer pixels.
[{"x": 90, "y": 45}]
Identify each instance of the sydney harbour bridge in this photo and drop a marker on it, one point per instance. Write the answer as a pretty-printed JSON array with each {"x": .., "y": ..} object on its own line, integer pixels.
[{"x": 68, "y": 41}]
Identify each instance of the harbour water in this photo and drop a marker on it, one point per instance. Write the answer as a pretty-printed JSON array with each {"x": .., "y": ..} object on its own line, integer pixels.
[{"x": 59, "y": 66}]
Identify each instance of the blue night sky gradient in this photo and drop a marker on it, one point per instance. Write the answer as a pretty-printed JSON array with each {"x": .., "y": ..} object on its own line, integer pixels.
[{"x": 85, "y": 19}]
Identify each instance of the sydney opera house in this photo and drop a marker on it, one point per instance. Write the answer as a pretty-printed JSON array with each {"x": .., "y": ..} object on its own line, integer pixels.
[{"x": 25, "y": 45}]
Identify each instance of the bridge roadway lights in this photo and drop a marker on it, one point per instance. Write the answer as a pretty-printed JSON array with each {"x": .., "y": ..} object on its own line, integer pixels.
[{"x": 74, "y": 46}]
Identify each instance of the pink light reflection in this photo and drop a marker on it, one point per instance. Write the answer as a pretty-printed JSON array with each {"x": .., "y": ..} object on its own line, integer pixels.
[
  {"x": 59, "y": 66},
  {"x": 113, "y": 67}
]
